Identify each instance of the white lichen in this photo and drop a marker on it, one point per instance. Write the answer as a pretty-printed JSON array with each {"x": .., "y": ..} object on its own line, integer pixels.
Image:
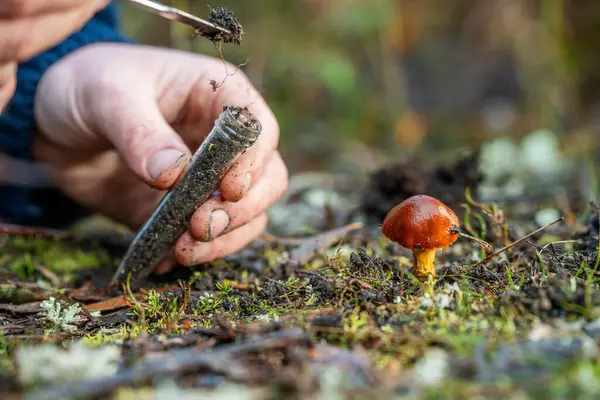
[
  {"x": 63, "y": 319},
  {"x": 426, "y": 301},
  {"x": 49, "y": 364},
  {"x": 169, "y": 389},
  {"x": 267, "y": 318},
  {"x": 444, "y": 299},
  {"x": 432, "y": 368},
  {"x": 331, "y": 381}
]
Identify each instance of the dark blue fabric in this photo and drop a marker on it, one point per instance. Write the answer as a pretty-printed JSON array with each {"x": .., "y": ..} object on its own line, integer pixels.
[{"x": 25, "y": 206}]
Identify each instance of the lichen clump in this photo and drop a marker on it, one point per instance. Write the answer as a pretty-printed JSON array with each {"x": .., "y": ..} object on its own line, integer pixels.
[
  {"x": 48, "y": 364},
  {"x": 62, "y": 319}
]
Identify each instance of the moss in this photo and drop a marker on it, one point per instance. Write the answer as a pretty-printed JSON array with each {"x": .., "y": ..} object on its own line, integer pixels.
[
  {"x": 102, "y": 337},
  {"x": 6, "y": 362},
  {"x": 62, "y": 258}
]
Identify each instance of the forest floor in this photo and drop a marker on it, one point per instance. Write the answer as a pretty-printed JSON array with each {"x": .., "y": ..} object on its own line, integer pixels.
[{"x": 326, "y": 315}]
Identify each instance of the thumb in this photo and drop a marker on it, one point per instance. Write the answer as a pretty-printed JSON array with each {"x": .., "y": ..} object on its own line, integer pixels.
[{"x": 144, "y": 139}]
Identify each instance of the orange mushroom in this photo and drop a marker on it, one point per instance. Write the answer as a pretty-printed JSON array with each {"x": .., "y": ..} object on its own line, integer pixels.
[{"x": 423, "y": 225}]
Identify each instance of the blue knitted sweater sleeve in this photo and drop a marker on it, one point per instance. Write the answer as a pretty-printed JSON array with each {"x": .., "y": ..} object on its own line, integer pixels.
[{"x": 17, "y": 121}]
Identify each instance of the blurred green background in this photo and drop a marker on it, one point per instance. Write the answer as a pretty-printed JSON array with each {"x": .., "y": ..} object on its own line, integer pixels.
[{"x": 359, "y": 82}]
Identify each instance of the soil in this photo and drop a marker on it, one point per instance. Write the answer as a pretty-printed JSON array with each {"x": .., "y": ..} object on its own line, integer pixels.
[
  {"x": 352, "y": 321},
  {"x": 244, "y": 117},
  {"x": 225, "y": 18},
  {"x": 394, "y": 183}
]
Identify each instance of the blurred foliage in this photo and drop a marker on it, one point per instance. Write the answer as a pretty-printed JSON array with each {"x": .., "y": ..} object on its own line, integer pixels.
[{"x": 389, "y": 78}]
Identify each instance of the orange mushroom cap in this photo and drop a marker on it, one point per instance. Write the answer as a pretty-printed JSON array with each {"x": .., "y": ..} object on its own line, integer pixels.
[{"x": 420, "y": 223}]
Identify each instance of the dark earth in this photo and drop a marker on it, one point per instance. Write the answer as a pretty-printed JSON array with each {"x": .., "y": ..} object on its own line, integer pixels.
[{"x": 224, "y": 18}]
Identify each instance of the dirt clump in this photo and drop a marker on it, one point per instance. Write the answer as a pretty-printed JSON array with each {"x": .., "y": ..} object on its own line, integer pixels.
[
  {"x": 554, "y": 298},
  {"x": 393, "y": 183},
  {"x": 272, "y": 289},
  {"x": 224, "y": 18}
]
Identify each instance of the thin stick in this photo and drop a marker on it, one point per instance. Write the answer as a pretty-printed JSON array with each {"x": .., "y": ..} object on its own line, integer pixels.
[
  {"x": 286, "y": 241},
  {"x": 309, "y": 249},
  {"x": 486, "y": 246},
  {"x": 502, "y": 250},
  {"x": 27, "y": 231},
  {"x": 557, "y": 242}
]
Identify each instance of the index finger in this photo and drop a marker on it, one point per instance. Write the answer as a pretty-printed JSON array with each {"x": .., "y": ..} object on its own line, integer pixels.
[{"x": 27, "y": 8}]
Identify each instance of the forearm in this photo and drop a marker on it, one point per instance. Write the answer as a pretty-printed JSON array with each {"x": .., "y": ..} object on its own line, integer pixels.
[{"x": 17, "y": 121}]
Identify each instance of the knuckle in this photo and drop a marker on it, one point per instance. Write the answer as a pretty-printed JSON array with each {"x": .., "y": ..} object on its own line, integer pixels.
[
  {"x": 99, "y": 79},
  {"x": 137, "y": 139},
  {"x": 15, "y": 8},
  {"x": 184, "y": 254}
]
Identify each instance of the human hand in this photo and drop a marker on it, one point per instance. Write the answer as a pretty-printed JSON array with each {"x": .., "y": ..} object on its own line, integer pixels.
[
  {"x": 28, "y": 27},
  {"x": 118, "y": 133}
]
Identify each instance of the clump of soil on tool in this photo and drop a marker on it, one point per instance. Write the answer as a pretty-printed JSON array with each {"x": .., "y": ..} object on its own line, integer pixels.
[
  {"x": 347, "y": 317},
  {"x": 225, "y": 18}
]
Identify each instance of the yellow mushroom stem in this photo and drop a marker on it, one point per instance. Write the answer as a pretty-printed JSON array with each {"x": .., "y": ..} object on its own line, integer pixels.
[{"x": 423, "y": 262}]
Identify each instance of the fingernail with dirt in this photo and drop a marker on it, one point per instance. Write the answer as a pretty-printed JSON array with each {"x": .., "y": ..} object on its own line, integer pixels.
[
  {"x": 166, "y": 166},
  {"x": 219, "y": 220}
]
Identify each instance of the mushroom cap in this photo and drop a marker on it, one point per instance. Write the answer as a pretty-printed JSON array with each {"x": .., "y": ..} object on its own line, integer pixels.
[{"x": 421, "y": 222}]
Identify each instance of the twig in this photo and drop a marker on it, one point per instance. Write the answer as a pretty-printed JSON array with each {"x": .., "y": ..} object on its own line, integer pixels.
[
  {"x": 122, "y": 300},
  {"x": 224, "y": 360},
  {"x": 486, "y": 246},
  {"x": 502, "y": 250},
  {"x": 28, "y": 231},
  {"x": 309, "y": 249},
  {"x": 552, "y": 244},
  {"x": 51, "y": 276},
  {"x": 286, "y": 241},
  {"x": 25, "y": 308}
]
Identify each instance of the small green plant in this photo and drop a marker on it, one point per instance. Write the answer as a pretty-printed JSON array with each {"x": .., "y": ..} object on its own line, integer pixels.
[{"x": 225, "y": 288}]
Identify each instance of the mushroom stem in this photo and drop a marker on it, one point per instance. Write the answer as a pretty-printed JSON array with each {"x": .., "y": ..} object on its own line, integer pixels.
[{"x": 423, "y": 264}]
